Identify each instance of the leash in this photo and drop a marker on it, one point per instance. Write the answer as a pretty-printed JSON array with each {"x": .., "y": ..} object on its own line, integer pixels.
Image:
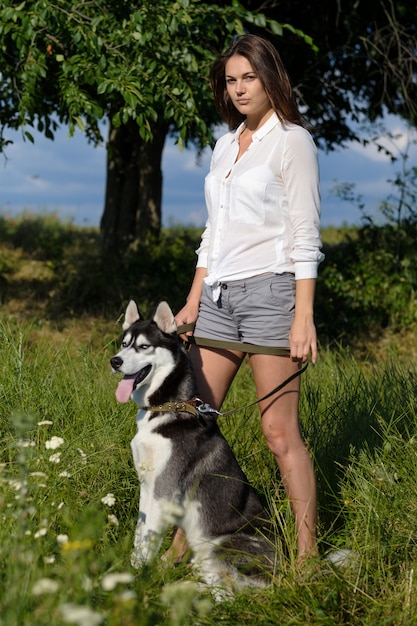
[
  {"x": 196, "y": 406},
  {"x": 206, "y": 408}
]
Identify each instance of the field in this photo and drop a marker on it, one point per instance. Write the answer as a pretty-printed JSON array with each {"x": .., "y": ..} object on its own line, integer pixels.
[{"x": 69, "y": 492}]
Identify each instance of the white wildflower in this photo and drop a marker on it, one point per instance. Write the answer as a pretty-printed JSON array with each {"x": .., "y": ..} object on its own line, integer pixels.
[
  {"x": 45, "y": 423},
  {"x": 45, "y": 585},
  {"x": 127, "y": 595},
  {"x": 80, "y": 615},
  {"x": 109, "y": 499},
  {"x": 171, "y": 512},
  {"x": 25, "y": 443},
  {"x": 110, "y": 581},
  {"x": 54, "y": 443},
  {"x": 38, "y": 475},
  {"x": 61, "y": 539},
  {"x": 112, "y": 520},
  {"x": 16, "y": 484},
  {"x": 55, "y": 458},
  {"x": 87, "y": 584},
  {"x": 64, "y": 474},
  {"x": 82, "y": 455},
  {"x": 143, "y": 469},
  {"x": 184, "y": 595},
  {"x": 40, "y": 533},
  {"x": 49, "y": 560}
]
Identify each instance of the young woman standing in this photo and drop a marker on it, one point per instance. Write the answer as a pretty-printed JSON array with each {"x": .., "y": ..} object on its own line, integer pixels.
[{"x": 257, "y": 262}]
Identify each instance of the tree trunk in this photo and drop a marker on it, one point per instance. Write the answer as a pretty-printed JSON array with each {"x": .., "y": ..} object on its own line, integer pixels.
[{"x": 133, "y": 187}]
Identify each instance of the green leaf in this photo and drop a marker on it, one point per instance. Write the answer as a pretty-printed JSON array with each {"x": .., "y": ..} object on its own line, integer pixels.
[
  {"x": 79, "y": 123},
  {"x": 29, "y": 136}
]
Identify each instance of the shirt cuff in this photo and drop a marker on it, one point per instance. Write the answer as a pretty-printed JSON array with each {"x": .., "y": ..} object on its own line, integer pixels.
[
  {"x": 306, "y": 270},
  {"x": 202, "y": 259}
]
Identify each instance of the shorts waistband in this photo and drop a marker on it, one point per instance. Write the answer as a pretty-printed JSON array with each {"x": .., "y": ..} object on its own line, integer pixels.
[{"x": 246, "y": 282}]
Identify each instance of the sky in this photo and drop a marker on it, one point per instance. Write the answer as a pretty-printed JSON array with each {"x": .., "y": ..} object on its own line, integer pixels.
[{"x": 67, "y": 177}]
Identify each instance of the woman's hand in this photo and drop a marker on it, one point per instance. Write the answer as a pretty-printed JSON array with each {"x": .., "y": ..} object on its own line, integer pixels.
[
  {"x": 187, "y": 315},
  {"x": 303, "y": 336},
  {"x": 303, "y": 339}
]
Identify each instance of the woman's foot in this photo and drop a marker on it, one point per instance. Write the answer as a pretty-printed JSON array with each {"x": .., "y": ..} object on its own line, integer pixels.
[{"x": 177, "y": 550}]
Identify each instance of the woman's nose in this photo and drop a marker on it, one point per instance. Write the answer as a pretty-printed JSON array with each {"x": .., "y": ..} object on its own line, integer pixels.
[{"x": 240, "y": 87}]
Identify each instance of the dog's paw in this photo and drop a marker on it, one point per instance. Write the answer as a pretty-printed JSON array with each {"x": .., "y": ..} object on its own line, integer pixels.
[{"x": 136, "y": 559}]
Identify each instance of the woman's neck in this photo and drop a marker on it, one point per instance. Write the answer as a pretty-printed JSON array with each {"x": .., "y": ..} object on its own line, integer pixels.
[{"x": 254, "y": 123}]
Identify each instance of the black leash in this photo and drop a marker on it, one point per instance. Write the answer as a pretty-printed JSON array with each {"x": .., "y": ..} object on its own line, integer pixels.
[{"x": 206, "y": 408}]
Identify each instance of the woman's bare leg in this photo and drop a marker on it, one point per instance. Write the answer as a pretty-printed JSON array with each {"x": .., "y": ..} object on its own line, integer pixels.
[{"x": 280, "y": 425}]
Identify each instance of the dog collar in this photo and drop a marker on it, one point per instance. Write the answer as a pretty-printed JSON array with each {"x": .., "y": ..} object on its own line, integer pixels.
[
  {"x": 174, "y": 407},
  {"x": 195, "y": 407}
]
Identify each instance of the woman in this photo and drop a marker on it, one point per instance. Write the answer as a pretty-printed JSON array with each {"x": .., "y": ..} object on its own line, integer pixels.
[{"x": 258, "y": 258}]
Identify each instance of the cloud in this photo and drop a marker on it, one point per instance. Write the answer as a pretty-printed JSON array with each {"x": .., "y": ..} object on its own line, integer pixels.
[{"x": 397, "y": 139}]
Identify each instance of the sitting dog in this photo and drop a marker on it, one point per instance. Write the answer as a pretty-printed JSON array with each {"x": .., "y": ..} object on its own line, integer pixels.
[{"x": 188, "y": 473}]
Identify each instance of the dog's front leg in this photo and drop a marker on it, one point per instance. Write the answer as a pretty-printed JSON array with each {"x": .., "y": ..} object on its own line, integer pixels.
[
  {"x": 153, "y": 520},
  {"x": 151, "y": 527}
]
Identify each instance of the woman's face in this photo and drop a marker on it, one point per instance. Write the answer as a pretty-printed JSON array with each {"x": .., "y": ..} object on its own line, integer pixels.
[{"x": 245, "y": 89}]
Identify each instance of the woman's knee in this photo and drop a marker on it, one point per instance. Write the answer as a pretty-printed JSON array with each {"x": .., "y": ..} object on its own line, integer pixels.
[{"x": 283, "y": 442}]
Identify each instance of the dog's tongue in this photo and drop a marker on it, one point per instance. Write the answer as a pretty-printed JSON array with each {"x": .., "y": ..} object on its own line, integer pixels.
[{"x": 125, "y": 388}]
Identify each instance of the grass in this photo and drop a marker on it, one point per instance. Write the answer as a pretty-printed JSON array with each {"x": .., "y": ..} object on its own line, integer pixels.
[
  {"x": 69, "y": 492},
  {"x": 65, "y": 542}
]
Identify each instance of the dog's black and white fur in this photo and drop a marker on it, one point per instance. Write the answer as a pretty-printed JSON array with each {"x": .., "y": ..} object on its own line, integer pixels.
[{"x": 187, "y": 471}]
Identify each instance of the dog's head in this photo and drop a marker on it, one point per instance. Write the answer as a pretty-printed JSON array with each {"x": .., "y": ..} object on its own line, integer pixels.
[{"x": 146, "y": 356}]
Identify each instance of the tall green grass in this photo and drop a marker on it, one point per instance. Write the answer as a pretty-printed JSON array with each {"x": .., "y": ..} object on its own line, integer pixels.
[{"x": 69, "y": 495}]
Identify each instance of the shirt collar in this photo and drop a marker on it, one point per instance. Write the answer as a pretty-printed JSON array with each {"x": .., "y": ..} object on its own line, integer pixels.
[{"x": 270, "y": 123}]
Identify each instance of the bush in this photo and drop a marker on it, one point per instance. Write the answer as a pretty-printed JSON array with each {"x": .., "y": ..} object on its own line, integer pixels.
[{"x": 367, "y": 282}]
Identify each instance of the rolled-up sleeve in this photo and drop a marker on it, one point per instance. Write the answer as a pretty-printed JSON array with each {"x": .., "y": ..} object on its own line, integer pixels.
[
  {"x": 203, "y": 250},
  {"x": 301, "y": 180}
]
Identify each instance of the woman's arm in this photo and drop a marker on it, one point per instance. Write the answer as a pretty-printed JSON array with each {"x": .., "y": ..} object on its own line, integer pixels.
[
  {"x": 189, "y": 313},
  {"x": 303, "y": 337}
]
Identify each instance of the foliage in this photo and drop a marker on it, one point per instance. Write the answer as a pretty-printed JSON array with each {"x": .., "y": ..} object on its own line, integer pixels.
[
  {"x": 146, "y": 62},
  {"x": 365, "y": 66},
  {"x": 65, "y": 265},
  {"x": 362, "y": 287},
  {"x": 69, "y": 493},
  {"x": 368, "y": 282},
  {"x": 150, "y": 62}
]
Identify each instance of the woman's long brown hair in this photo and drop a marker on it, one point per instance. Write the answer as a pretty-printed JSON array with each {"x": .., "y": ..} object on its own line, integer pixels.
[{"x": 268, "y": 66}]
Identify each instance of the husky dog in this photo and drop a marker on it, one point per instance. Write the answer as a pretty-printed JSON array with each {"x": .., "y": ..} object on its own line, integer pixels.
[{"x": 188, "y": 473}]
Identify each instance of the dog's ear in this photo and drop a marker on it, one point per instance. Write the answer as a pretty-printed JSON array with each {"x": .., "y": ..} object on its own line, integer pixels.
[
  {"x": 132, "y": 315},
  {"x": 164, "y": 318}
]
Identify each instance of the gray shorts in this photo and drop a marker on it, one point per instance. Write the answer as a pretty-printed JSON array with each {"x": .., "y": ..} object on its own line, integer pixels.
[{"x": 257, "y": 310}]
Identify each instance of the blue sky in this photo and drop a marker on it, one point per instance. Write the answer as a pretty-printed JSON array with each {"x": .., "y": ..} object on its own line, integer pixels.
[{"x": 67, "y": 176}]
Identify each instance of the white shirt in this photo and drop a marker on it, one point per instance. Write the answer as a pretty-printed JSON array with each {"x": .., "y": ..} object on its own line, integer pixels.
[{"x": 264, "y": 209}]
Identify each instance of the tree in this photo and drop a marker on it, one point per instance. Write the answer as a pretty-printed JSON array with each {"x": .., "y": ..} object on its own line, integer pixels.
[
  {"x": 142, "y": 65},
  {"x": 365, "y": 66}
]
